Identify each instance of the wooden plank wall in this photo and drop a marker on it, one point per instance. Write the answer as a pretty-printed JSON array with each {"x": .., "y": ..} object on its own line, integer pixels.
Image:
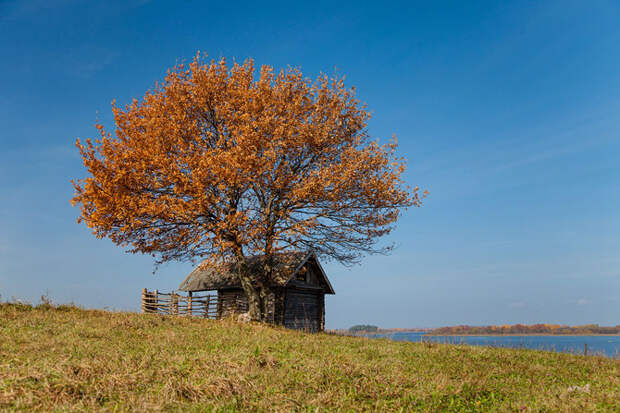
[
  {"x": 231, "y": 302},
  {"x": 235, "y": 302},
  {"x": 302, "y": 311},
  {"x": 293, "y": 309}
]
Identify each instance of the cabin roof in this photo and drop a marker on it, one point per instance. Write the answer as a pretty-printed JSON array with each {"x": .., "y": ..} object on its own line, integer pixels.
[{"x": 286, "y": 265}]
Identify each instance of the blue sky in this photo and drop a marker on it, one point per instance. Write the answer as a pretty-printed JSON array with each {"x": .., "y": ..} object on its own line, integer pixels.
[{"x": 509, "y": 114}]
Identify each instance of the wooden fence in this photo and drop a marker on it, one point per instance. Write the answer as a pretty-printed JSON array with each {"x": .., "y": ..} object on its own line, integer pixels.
[{"x": 205, "y": 306}]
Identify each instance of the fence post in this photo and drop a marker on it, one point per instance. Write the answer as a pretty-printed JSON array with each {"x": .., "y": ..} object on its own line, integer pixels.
[
  {"x": 143, "y": 306},
  {"x": 189, "y": 304},
  {"x": 170, "y": 303}
]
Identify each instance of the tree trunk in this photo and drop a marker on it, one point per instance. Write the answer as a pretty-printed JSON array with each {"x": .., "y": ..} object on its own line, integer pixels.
[
  {"x": 255, "y": 287},
  {"x": 255, "y": 306},
  {"x": 266, "y": 276},
  {"x": 264, "y": 293}
]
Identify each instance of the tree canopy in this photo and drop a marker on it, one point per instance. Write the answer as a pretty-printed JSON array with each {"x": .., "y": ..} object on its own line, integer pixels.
[
  {"x": 220, "y": 164},
  {"x": 364, "y": 328}
]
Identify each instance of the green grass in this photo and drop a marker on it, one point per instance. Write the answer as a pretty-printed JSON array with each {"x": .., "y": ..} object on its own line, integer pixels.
[{"x": 68, "y": 359}]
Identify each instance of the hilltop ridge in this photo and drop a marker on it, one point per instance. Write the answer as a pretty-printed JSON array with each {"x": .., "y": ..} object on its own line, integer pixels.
[{"x": 66, "y": 358}]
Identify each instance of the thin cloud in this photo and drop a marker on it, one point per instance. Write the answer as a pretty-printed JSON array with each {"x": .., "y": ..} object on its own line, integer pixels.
[
  {"x": 17, "y": 9},
  {"x": 87, "y": 70}
]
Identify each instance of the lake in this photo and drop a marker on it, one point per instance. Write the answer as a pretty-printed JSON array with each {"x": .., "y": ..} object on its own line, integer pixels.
[{"x": 604, "y": 345}]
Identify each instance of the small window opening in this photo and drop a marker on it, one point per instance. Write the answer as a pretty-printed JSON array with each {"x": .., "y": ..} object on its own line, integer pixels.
[{"x": 302, "y": 274}]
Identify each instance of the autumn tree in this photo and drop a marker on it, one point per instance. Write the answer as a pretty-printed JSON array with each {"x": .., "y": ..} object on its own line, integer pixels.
[{"x": 217, "y": 164}]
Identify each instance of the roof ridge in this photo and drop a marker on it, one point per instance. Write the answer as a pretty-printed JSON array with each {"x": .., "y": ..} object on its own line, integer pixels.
[{"x": 217, "y": 276}]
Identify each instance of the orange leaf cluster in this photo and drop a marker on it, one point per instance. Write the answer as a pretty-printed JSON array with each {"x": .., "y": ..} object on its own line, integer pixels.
[{"x": 217, "y": 163}]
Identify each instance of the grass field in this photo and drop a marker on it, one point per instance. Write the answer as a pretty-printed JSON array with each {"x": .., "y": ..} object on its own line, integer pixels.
[{"x": 68, "y": 359}]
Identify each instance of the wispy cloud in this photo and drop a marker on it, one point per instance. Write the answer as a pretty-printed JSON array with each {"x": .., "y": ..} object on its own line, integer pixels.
[
  {"x": 11, "y": 10},
  {"x": 87, "y": 69},
  {"x": 582, "y": 301},
  {"x": 17, "y": 9},
  {"x": 543, "y": 155}
]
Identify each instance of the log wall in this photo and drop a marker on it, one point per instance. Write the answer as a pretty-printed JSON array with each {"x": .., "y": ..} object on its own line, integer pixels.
[{"x": 296, "y": 309}]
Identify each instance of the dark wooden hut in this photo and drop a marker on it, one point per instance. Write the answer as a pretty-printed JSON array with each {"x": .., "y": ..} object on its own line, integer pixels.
[{"x": 299, "y": 285}]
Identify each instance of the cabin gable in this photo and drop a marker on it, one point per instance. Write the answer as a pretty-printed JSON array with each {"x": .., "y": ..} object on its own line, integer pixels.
[{"x": 310, "y": 275}]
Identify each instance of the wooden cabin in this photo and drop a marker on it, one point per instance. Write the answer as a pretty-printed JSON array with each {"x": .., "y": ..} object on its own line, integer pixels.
[{"x": 299, "y": 285}]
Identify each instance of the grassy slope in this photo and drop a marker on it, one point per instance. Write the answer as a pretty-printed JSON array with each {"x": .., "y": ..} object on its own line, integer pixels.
[{"x": 70, "y": 359}]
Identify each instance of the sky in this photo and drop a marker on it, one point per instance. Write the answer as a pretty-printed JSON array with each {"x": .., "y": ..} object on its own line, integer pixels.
[{"x": 508, "y": 114}]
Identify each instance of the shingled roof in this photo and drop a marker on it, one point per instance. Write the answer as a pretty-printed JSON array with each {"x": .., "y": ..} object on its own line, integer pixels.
[{"x": 210, "y": 277}]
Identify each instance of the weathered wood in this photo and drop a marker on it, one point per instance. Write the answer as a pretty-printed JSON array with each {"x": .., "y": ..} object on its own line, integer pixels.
[
  {"x": 295, "y": 308},
  {"x": 302, "y": 311},
  {"x": 189, "y": 304},
  {"x": 143, "y": 304},
  {"x": 322, "y": 312},
  {"x": 170, "y": 305},
  {"x": 177, "y": 304}
]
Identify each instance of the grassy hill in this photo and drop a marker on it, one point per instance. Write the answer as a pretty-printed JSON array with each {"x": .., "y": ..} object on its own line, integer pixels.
[{"x": 66, "y": 359}]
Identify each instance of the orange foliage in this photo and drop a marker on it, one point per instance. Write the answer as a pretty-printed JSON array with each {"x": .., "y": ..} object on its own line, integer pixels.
[
  {"x": 215, "y": 163},
  {"x": 527, "y": 329}
]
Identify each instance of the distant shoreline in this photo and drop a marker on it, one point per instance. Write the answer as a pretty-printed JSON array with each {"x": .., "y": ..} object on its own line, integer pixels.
[
  {"x": 520, "y": 335},
  {"x": 374, "y": 333},
  {"x": 516, "y": 330},
  {"x": 494, "y": 335}
]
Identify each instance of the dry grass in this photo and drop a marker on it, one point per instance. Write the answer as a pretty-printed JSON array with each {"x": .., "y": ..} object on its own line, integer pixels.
[{"x": 68, "y": 359}]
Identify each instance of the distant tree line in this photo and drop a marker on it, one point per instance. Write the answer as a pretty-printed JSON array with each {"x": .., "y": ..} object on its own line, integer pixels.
[
  {"x": 527, "y": 329},
  {"x": 364, "y": 328}
]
